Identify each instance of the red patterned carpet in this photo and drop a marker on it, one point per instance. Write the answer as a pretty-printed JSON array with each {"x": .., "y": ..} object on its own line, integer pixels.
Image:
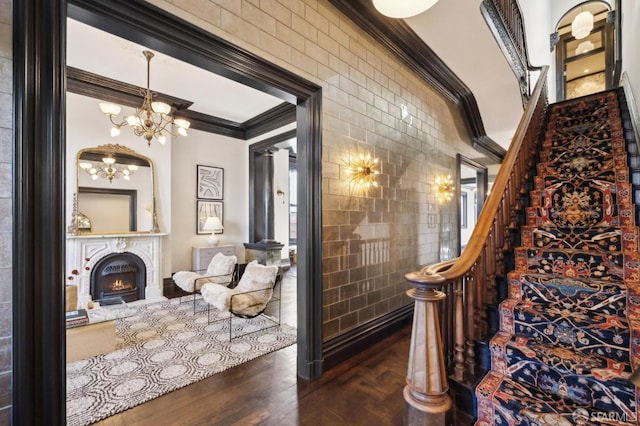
[{"x": 569, "y": 329}]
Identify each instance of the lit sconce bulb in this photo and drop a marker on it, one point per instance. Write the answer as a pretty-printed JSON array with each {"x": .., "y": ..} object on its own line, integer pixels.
[
  {"x": 93, "y": 171},
  {"x": 85, "y": 166},
  {"x": 108, "y": 160},
  {"x": 161, "y": 138},
  {"x": 94, "y": 177},
  {"x": 182, "y": 131},
  {"x": 115, "y": 131},
  {"x": 132, "y": 167}
]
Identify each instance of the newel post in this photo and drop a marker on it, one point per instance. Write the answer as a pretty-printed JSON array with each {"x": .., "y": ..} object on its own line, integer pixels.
[{"x": 426, "y": 397}]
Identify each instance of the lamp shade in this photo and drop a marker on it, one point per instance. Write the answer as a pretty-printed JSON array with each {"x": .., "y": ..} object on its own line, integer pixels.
[
  {"x": 109, "y": 108},
  {"x": 404, "y": 8},
  {"x": 213, "y": 224},
  {"x": 582, "y": 25}
]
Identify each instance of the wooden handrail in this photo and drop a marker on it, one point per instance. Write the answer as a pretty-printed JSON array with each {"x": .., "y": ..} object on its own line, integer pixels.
[{"x": 471, "y": 277}]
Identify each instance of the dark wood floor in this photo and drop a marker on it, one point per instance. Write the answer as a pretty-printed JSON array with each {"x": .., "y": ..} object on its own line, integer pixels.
[{"x": 365, "y": 390}]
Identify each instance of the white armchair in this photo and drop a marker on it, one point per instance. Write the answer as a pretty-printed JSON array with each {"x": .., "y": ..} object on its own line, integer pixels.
[
  {"x": 249, "y": 298},
  {"x": 220, "y": 271}
]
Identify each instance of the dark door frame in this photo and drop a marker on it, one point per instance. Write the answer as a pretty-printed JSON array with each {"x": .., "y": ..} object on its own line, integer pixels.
[{"x": 39, "y": 49}]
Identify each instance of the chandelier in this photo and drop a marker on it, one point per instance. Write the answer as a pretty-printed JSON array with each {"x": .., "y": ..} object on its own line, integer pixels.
[
  {"x": 582, "y": 25},
  {"x": 109, "y": 169},
  {"x": 151, "y": 120},
  {"x": 404, "y": 8}
]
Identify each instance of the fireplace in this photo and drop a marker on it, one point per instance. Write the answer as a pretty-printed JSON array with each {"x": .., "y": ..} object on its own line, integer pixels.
[{"x": 119, "y": 274}]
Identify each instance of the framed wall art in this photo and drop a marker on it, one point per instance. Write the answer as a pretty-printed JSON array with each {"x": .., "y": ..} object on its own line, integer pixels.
[
  {"x": 210, "y": 182},
  {"x": 207, "y": 209}
]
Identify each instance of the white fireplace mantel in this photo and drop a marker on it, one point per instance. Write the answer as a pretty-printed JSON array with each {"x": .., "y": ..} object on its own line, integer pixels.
[{"x": 147, "y": 246}]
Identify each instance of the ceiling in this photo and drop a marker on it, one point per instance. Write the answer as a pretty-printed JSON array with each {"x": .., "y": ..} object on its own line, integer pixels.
[
  {"x": 101, "y": 53},
  {"x": 477, "y": 60}
]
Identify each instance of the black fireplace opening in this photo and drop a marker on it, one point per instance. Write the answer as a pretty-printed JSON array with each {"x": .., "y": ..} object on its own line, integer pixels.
[{"x": 119, "y": 274}]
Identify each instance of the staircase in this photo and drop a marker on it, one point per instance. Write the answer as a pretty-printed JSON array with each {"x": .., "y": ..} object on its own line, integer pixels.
[{"x": 569, "y": 330}]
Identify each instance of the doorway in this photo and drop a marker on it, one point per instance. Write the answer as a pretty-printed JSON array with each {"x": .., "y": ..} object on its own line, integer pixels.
[
  {"x": 38, "y": 261},
  {"x": 472, "y": 186},
  {"x": 584, "y": 64}
]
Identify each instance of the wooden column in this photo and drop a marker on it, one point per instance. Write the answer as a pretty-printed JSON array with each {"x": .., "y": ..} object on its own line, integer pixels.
[{"x": 426, "y": 399}]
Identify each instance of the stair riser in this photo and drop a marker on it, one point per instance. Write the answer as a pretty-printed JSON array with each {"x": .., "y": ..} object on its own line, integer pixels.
[
  {"x": 610, "y": 266},
  {"x": 606, "y": 336},
  {"x": 596, "y": 240},
  {"x": 601, "y": 297},
  {"x": 595, "y": 216},
  {"x": 586, "y": 380}
]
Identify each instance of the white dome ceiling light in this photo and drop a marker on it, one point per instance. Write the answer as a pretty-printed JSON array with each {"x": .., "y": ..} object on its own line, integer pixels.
[
  {"x": 582, "y": 25},
  {"x": 404, "y": 8}
]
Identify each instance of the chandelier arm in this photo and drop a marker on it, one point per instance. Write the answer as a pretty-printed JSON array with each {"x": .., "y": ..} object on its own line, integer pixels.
[
  {"x": 115, "y": 123},
  {"x": 162, "y": 127}
]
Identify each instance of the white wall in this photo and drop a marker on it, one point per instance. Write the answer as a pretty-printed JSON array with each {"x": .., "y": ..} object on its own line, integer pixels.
[
  {"x": 630, "y": 55},
  {"x": 538, "y": 26},
  {"x": 209, "y": 150}
]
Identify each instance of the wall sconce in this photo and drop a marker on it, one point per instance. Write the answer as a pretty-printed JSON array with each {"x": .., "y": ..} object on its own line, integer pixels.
[
  {"x": 362, "y": 172},
  {"x": 444, "y": 189}
]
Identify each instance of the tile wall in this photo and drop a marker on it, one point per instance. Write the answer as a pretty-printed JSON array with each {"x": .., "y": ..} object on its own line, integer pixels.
[{"x": 369, "y": 240}]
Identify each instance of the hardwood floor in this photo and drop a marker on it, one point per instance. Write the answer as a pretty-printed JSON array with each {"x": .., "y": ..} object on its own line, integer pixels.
[{"x": 365, "y": 390}]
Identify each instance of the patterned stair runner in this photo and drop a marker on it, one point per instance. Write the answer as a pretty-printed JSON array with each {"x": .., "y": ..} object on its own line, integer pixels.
[{"x": 570, "y": 327}]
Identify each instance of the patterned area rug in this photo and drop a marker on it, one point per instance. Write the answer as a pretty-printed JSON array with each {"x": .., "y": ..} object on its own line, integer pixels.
[{"x": 163, "y": 347}]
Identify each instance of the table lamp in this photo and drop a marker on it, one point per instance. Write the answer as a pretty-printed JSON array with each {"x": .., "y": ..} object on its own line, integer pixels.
[{"x": 214, "y": 225}]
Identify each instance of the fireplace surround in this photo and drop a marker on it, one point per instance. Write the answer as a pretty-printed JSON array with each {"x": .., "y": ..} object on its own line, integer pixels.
[{"x": 146, "y": 262}]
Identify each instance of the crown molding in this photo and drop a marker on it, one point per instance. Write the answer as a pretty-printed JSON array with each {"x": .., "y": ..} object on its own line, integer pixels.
[
  {"x": 96, "y": 86},
  {"x": 410, "y": 49}
]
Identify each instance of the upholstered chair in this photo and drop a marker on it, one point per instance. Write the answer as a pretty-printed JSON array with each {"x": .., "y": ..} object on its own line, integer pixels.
[
  {"x": 220, "y": 272},
  {"x": 249, "y": 298}
]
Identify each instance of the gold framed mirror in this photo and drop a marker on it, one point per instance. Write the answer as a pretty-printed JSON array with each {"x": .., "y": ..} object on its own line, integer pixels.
[{"x": 115, "y": 192}]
